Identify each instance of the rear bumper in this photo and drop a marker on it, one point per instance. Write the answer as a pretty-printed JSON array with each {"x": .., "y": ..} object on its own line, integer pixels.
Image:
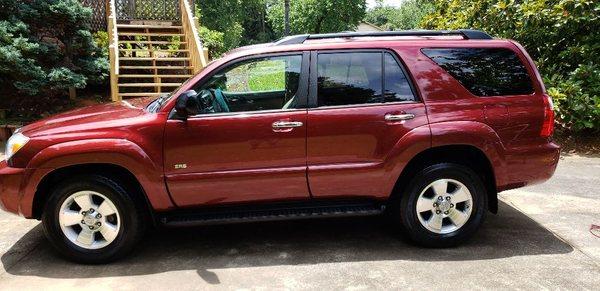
[
  {"x": 11, "y": 180},
  {"x": 530, "y": 165}
]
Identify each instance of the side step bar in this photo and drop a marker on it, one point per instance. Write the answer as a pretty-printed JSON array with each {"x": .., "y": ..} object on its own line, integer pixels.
[{"x": 276, "y": 212}]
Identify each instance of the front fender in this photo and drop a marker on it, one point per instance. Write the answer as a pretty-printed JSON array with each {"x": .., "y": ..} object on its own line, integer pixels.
[{"x": 117, "y": 152}]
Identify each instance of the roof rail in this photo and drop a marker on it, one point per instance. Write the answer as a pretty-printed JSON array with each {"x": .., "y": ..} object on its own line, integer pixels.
[{"x": 465, "y": 33}]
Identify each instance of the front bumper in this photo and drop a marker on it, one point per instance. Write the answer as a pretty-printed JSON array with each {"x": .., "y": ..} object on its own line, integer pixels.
[{"x": 11, "y": 182}]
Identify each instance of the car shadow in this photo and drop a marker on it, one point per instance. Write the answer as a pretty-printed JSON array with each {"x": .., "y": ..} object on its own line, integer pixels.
[{"x": 508, "y": 234}]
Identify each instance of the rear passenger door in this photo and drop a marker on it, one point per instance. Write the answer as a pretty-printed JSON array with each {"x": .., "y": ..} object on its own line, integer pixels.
[{"x": 362, "y": 103}]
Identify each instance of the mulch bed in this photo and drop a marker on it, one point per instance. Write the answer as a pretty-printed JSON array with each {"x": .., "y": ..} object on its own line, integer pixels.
[{"x": 571, "y": 144}]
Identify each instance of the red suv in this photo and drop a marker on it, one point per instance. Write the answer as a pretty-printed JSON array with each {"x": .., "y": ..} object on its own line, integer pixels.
[{"x": 425, "y": 126}]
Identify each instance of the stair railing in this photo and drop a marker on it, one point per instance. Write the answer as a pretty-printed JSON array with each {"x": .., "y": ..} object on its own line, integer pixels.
[
  {"x": 198, "y": 56},
  {"x": 113, "y": 50}
]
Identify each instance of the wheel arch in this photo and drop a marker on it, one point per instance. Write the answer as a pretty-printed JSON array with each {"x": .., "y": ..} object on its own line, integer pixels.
[
  {"x": 463, "y": 154},
  {"x": 121, "y": 159},
  {"x": 116, "y": 172}
]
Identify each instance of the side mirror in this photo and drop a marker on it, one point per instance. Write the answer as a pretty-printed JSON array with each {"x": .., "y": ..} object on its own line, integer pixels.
[{"x": 187, "y": 104}]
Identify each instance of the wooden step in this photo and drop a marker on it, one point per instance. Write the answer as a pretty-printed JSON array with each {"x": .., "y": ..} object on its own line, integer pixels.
[
  {"x": 148, "y": 42},
  {"x": 149, "y": 34},
  {"x": 149, "y": 26},
  {"x": 141, "y": 94},
  {"x": 154, "y": 76},
  {"x": 155, "y": 50},
  {"x": 154, "y": 59},
  {"x": 156, "y": 67},
  {"x": 149, "y": 84}
]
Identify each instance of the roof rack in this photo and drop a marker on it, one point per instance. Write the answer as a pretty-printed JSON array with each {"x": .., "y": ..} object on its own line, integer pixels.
[{"x": 465, "y": 33}]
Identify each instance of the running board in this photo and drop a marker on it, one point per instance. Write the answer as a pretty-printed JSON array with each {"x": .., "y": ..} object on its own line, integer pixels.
[{"x": 275, "y": 212}]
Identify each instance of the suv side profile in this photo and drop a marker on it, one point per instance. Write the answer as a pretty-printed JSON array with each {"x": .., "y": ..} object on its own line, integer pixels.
[{"x": 425, "y": 126}]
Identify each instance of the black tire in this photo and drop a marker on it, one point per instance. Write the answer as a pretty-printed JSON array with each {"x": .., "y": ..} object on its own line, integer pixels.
[
  {"x": 131, "y": 218},
  {"x": 408, "y": 214}
]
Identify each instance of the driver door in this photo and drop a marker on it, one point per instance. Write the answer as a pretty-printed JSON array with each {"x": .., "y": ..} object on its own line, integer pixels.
[{"x": 253, "y": 147}]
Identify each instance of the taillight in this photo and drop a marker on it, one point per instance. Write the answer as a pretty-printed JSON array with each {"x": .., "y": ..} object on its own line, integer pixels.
[{"x": 548, "y": 125}]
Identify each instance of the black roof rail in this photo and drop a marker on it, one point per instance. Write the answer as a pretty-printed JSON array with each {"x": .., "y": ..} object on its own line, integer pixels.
[{"x": 465, "y": 33}]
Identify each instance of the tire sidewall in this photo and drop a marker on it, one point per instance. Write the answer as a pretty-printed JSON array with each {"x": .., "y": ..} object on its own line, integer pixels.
[
  {"x": 409, "y": 215},
  {"x": 110, "y": 190}
]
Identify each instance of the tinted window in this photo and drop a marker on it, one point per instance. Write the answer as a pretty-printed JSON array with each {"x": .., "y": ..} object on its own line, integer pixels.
[
  {"x": 396, "y": 85},
  {"x": 358, "y": 78},
  {"x": 258, "y": 84},
  {"x": 349, "y": 78},
  {"x": 484, "y": 71}
]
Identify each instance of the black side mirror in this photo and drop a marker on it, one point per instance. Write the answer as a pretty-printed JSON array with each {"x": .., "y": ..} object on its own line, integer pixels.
[{"x": 187, "y": 104}]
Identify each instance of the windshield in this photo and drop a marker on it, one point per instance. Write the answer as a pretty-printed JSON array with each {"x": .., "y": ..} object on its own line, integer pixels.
[{"x": 158, "y": 103}]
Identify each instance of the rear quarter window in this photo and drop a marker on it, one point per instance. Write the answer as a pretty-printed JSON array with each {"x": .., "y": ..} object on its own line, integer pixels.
[{"x": 484, "y": 71}]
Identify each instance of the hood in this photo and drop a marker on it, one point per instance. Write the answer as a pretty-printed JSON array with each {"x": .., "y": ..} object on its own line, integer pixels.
[{"x": 90, "y": 117}]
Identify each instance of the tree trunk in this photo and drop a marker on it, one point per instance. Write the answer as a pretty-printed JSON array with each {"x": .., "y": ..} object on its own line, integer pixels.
[{"x": 287, "y": 17}]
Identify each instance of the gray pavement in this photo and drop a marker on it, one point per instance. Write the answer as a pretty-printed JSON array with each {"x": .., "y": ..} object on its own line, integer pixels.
[{"x": 540, "y": 239}]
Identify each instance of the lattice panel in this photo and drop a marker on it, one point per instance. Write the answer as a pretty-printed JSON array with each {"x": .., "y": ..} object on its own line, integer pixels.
[
  {"x": 148, "y": 10},
  {"x": 98, "y": 21}
]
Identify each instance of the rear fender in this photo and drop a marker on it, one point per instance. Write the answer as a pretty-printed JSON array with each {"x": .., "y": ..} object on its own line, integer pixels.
[{"x": 475, "y": 134}]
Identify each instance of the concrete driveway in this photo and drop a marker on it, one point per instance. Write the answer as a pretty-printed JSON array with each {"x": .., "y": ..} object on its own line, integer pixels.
[{"x": 540, "y": 239}]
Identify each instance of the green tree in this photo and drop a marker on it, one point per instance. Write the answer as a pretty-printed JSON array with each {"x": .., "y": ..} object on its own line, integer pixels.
[
  {"x": 562, "y": 36},
  {"x": 316, "y": 16},
  {"x": 408, "y": 16},
  {"x": 234, "y": 22},
  {"x": 45, "y": 48}
]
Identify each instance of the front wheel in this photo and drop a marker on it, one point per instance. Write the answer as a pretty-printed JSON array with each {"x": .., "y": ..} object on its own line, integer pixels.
[
  {"x": 443, "y": 205},
  {"x": 92, "y": 219}
]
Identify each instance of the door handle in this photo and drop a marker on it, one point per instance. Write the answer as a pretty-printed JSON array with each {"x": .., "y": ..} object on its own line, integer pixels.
[
  {"x": 399, "y": 117},
  {"x": 286, "y": 124}
]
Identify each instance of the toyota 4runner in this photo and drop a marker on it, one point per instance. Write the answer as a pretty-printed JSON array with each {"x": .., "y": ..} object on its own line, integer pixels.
[{"x": 423, "y": 126}]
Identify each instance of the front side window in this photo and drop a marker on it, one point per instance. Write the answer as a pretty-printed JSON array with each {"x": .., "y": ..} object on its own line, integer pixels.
[
  {"x": 351, "y": 78},
  {"x": 268, "y": 83},
  {"x": 484, "y": 71}
]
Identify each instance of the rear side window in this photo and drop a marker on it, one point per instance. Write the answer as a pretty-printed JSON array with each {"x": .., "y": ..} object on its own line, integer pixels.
[
  {"x": 351, "y": 78},
  {"x": 396, "y": 84},
  {"x": 484, "y": 71}
]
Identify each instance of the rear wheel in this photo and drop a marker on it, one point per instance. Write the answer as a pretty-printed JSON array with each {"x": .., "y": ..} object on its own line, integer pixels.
[
  {"x": 92, "y": 219},
  {"x": 443, "y": 205}
]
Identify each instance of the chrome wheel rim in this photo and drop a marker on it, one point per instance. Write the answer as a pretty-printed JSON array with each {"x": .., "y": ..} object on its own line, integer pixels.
[
  {"x": 444, "y": 206},
  {"x": 89, "y": 220}
]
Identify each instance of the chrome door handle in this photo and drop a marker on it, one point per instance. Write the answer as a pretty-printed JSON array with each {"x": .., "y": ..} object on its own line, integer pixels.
[
  {"x": 286, "y": 124},
  {"x": 399, "y": 117}
]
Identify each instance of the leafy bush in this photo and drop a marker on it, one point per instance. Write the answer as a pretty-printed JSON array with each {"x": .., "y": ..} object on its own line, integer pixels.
[
  {"x": 562, "y": 36},
  {"x": 45, "y": 48},
  {"x": 577, "y": 98},
  {"x": 212, "y": 40},
  {"x": 102, "y": 41}
]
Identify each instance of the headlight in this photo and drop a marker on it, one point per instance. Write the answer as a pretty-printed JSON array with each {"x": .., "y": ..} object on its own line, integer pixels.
[{"x": 15, "y": 143}]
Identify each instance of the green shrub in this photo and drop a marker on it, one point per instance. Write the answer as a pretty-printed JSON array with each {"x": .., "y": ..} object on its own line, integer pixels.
[
  {"x": 213, "y": 41},
  {"x": 577, "y": 98},
  {"x": 102, "y": 41},
  {"x": 45, "y": 48}
]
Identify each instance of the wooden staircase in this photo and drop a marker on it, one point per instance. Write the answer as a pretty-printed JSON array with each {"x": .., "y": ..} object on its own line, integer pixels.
[
  {"x": 149, "y": 58},
  {"x": 152, "y": 59}
]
